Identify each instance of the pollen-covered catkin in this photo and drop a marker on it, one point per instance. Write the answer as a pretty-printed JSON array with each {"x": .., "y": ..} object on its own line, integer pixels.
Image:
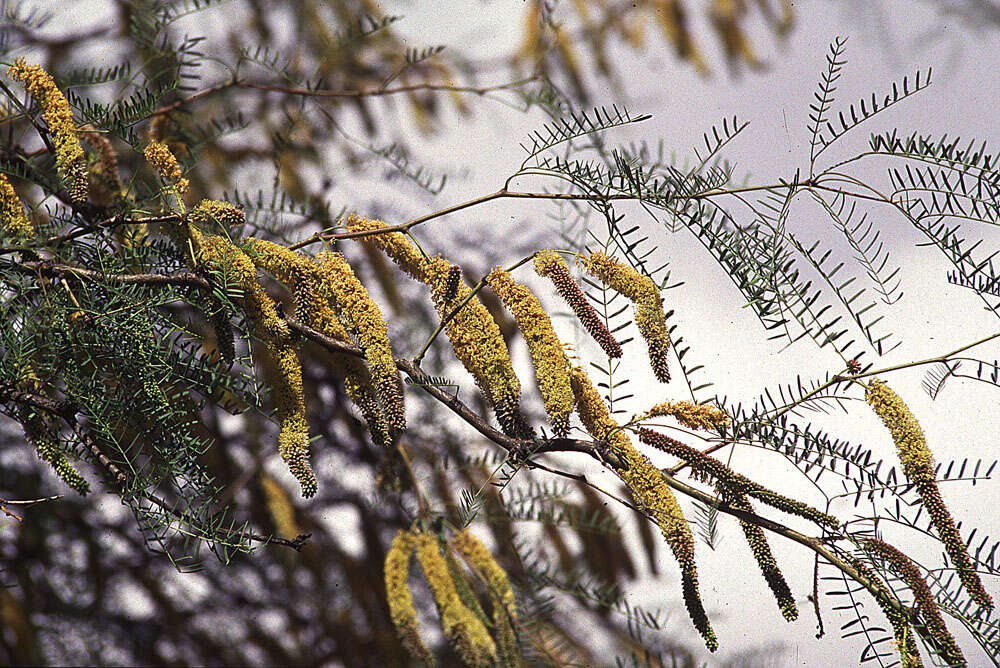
[
  {"x": 905, "y": 639},
  {"x": 648, "y": 487},
  {"x": 547, "y": 356},
  {"x": 918, "y": 464},
  {"x": 926, "y": 604},
  {"x": 280, "y": 507},
  {"x": 39, "y": 434},
  {"x": 70, "y": 161},
  {"x": 549, "y": 264},
  {"x": 397, "y": 590},
  {"x": 649, "y": 315},
  {"x": 212, "y": 213},
  {"x": 465, "y": 631},
  {"x": 472, "y": 331},
  {"x": 13, "y": 221},
  {"x": 162, "y": 159},
  {"x": 694, "y": 416}
]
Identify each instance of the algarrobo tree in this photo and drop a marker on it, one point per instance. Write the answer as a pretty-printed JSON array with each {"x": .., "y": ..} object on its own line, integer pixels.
[{"x": 136, "y": 301}]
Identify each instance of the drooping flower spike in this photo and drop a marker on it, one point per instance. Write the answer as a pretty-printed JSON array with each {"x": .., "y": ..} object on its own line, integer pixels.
[
  {"x": 905, "y": 638},
  {"x": 402, "y": 612},
  {"x": 13, "y": 221}
]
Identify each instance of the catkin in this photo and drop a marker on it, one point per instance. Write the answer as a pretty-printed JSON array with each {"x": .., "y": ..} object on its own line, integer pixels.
[
  {"x": 162, "y": 159},
  {"x": 472, "y": 331},
  {"x": 397, "y": 589},
  {"x": 279, "y": 505},
  {"x": 693, "y": 416},
  {"x": 649, "y": 489},
  {"x": 905, "y": 638},
  {"x": 649, "y": 315},
  {"x": 918, "y": 465},
  {"x": 902, "y": 566},
  {"x": 40, "y": 435},
  {"x": 13, "y": 222},
  {"x": 465, "y": 631},
  {"x": 549, "y": 264},
  {"x": 105, "y": 169},
  {"x": 547, "y": 356},
  {"x": 71, "y": 163}
]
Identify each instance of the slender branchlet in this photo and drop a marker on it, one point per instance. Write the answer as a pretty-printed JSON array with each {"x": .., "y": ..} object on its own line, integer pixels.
[
  {"x": 695, "y": 416},
  {"x": 279, "y": 505},
  {"x": 649, "y": 489},
  {"x": 549, "y": 264},
  {"x": 71, "y": 163},
  {"x": 369, "y": 326},
  {"x": 761, "y": 550},
  {"x": 13, "y": 221},
  {"x": 472, "y": 331},
  {"x": 221, "y": 255},
  {"x": 547, "y": 356},
  {"x": 397, "y": 589},
  {"x": 106, "y": 183},
  {"x": 918, "y": 464},
  {"x": 926, "y": 605},
  {"x": 642, "y": 292},
  {"x": 905, "y": 639},
  {"x": 709, "y": 466},
  {"x": 160, "y": 158},
  {"x": 465, "y": 631}
]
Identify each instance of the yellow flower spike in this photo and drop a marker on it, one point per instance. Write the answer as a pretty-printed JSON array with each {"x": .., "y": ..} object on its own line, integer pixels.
[
  {"x": 918, "y": 464},
  {"x": 212, "y": 213},
  {"x": 905, "y": 639},
  {"x": 549, "y": 264},
  {"x": 649, "y": 316},
  {"x": 650, "y": 490},
  {"x": 13, "y": 221},
  {"x": 547, "y": 356},
  {"x": 39, "y": 434},
  {"x": 279, "y": 505},
  {"x": 473, "y": 333},
  {"x": 397, "y": 590},
  {"x": 473, "y": 550},
  {"x": 925, "y": 602},
  {"x": 70, "y": 161},
  {"x": 464, "y": 630},
  {"x": 694, "y": 416},
  {"x": 159, "y": 156},
  {"x": 370, "y": 327}
]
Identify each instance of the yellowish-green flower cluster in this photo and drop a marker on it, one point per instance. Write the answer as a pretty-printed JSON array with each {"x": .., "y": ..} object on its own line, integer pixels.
[
  {"x": 312, "y": 293},
  {"x": 70, "y": 161},
  {"x": 547, "y": 356},
  {"x": 549, "y": 264},
  {"x": 397, "y": 589},
  {"x": 212, "y": 213},
  {"x": 905, "y": 639},
  {"x": 162, "y": 159},
  {"x": 926, "y": 604},
  {"x": 472, "y": 331},
  {"x": 107, "y": 184},
  {"x": 279, "y": 505},
  {"x": 694, "y": 416},
  {"x": 220, "y": 255},
  {"x": 13, "y": 222},
  {"x": 711, "y": 467},
  {"x": 649, "y": 489},
  {"x": 918, "y": 464},
  {"x": 370, "y": 327},
  {"x": 465, "y": 631},
  {"x": 642, "y": 292},
  {"x": 40, "y": 435}
]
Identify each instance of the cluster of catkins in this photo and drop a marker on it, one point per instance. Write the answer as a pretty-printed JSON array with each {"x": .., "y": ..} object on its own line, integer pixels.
[{"x": 465, "y": 624}]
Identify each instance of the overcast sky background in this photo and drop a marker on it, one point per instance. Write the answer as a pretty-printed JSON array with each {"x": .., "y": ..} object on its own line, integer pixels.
[{"x": 887, "y": 39}]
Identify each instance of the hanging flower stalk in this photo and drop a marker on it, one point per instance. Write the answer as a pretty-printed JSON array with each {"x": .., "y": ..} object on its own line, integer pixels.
[
  {"x": 397, "y": 588},
  {"x": 904, "y": 636},
  {"x": 13, "y": 222},
  {"x": 547, "y": 356},
  {"x": 649, "y": 316},
  {"x": 902, "y": 566},
  {"x": 649, "y": 489},
  {"x": 313, "y": 297},
  {"x": 501, "y": 593},
  {"x": 549, "y": 264},
  {"x": 465, "y": 631},
  {"x": 472, "y": 331},
  {"x": 70, "y": 160},
  {"x": 918, "y": 465},
  {"x": 708, "y": 466}
]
